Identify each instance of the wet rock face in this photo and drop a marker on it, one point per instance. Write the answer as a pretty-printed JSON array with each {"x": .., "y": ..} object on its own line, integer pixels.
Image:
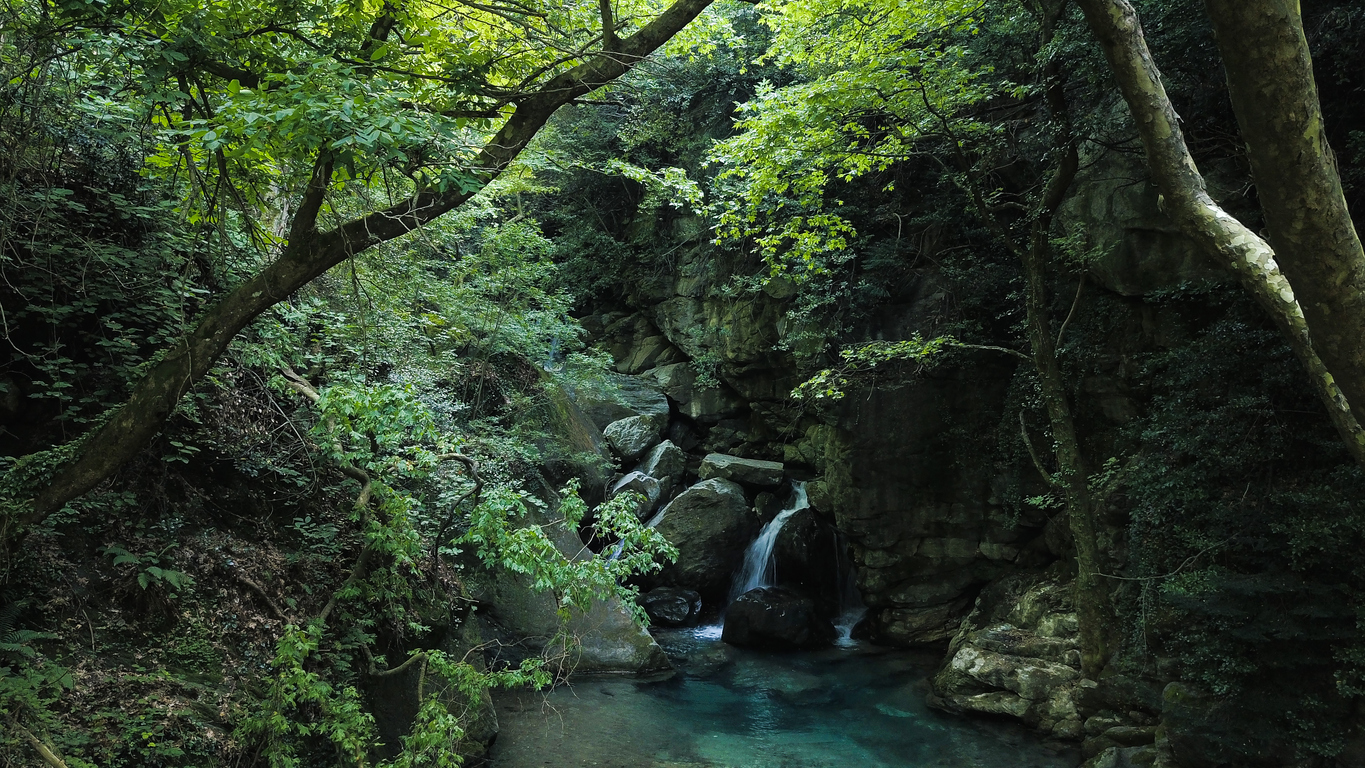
[
  {"x": 671, "y": 606},
  {"x": 917, "y": 504},
  {"x": 710, "y": 524},
  {"x": 807, "y": 558},
  {"x": 665, "y": 462},
  {"x": 776, "y": 618},
  {"x": 620, "y": 397}
]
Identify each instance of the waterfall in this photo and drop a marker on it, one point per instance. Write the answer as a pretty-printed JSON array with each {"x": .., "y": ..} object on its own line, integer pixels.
[
  {"x": 851, "y": 608},
  {"x": 760, "y": 570}
]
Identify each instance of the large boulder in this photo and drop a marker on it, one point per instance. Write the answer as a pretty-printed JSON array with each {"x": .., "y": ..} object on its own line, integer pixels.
[
  {"x": 755, "y": 472},
  {"x": 710, "y": 524},
  {"x": 807, "y": 555},
  {"x": 643, "y": 484},
  {"x": 528, "y": 622},
  {"x": 776, "y": 618},
  {"x": 632, "y": 437},
  {"x": 671, "y": 606},
  {"x": 665, "y": 462},
  {"x": 1136, "y": 247},
  {"x": 1017, "y": 654}
]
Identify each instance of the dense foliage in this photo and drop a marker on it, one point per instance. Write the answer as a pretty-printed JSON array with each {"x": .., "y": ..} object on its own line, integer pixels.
[{"x": 308, "y": 519}]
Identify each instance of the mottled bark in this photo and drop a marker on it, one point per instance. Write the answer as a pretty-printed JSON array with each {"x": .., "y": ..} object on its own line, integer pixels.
[
  {"x": 310, "y": 253},
  {"x": 1186, "y": 200},
  {"x": 1270, "y": 77}
]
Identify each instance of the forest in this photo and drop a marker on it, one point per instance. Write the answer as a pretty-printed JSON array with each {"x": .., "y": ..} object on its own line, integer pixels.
[{"x": 682, "y": 383}]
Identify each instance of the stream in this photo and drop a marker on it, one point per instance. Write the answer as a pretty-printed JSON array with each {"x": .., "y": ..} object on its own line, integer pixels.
[{"x": 856, "y": 705}]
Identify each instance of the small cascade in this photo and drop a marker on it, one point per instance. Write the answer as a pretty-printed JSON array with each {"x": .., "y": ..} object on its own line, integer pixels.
[
  {"x": 760, "y": 569},
  {"x": 851, "y": 607}
]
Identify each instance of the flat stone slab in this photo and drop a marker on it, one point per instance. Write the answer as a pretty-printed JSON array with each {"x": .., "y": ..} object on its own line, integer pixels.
[{"x": 764, "y": 474}]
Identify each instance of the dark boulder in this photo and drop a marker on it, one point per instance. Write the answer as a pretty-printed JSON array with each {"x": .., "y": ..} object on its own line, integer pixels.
[
  {"x": 808, "y": 559},
  {"x": 710, "y": 524},
  {"x": 776, "y": 618},
  {"x": 671, "y": 606}
]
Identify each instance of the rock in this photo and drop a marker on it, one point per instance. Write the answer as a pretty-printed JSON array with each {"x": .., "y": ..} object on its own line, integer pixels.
[
  {"x": 1121, "y": 757},
  {"x": 1131, "y": 735},
  {"x": 524, "y": 620},
  {"x": 643, "y": 484},
  {"x": 666, "y": 462},
  {"x": 705, "y": 404},
  {"x": 1016, "y": 642},
  {"x": 635, "y": 344},
  {"x": 1205, "y": 731},
  {"x": 919, "y": 626},
  {"x": 671, "y": 606},
  {"x": 1029, "y": 678},
  {"x": 633, "y": 436},
  {"x": 763, "y": 474},
  {"x": 1137, "y": 248},
  {"x": 710, "y": 524},
  {"x": 588, "y": 458},
  {"x": 776, "y": 618},
  {"x": 620, "y": 397},
  {"x": 807, "y": 558}
]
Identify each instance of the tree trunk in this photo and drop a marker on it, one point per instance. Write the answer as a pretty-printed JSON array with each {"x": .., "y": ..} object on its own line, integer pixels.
[
  {"x": 1094, "y": 609},
  {"x": 1270, "y": 77},
  {"x": 309, "y": 254},
  {"x": 1185, "y": 199}
]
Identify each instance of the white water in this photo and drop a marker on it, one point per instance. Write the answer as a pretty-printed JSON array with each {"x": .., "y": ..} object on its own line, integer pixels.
[
  {"x": 760, "y": 569},
  {"x": 851, "y": 608}
]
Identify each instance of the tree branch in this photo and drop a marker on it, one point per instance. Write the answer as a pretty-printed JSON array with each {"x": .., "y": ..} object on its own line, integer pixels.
[{"x": 310, "y": 254}]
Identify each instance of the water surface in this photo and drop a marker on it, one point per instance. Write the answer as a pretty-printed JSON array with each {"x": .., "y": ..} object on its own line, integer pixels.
[{"x": 850, "y": 707}]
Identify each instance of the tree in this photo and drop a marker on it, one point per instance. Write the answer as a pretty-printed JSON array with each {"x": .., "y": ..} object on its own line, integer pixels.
[
  {"x": 374, "y": 118},
  {"x": 1301, "y": 191},
  {"x": 1270, "y": 78}
]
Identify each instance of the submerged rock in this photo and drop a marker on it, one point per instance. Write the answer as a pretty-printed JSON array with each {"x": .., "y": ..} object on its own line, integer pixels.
[
  {"x": 776, "y": 618},
  {"x": 764, "y": 474},
  {"x": 631, "y": 437},
  {"x": 710, "y": 524},
  {"x": 671, "y": 606}
]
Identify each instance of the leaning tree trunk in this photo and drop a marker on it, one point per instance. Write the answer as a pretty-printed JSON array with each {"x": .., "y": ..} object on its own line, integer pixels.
[
  {"x": 308, "y": 254},
  {"x": 1270, "y": 77},
  {"x": 1187, "y": 202}
]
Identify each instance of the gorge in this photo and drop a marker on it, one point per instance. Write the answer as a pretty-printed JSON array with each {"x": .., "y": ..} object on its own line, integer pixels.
[{"x": 790, "y": 384}]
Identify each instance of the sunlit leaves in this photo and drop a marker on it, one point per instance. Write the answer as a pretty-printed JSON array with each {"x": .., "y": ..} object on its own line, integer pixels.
[{"x": 877, "y": 81}]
